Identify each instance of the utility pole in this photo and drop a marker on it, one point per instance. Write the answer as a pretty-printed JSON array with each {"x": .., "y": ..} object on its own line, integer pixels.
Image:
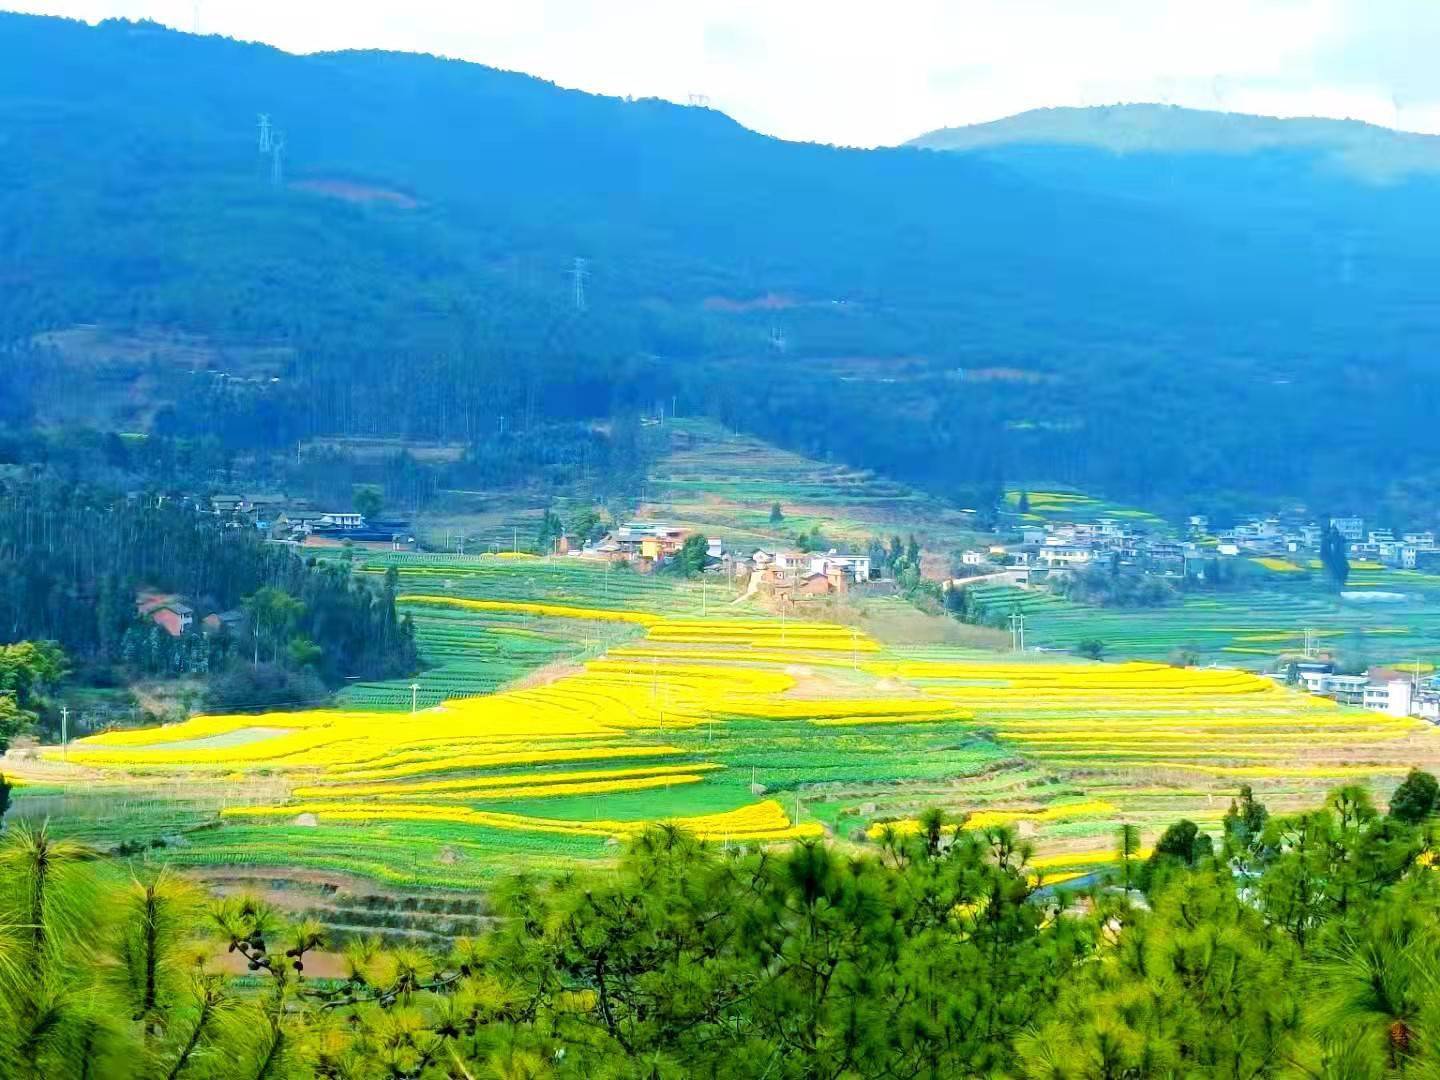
[
  {"x": 579, "y": 271},
  {"x": 1017, "y": 632},
  {"x": 65, "y": 732},
  {"x": 414, "y": 698}
]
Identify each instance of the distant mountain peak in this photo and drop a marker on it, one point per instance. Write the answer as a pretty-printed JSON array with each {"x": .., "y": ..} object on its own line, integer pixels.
[{"x": 1141, "y": 128}]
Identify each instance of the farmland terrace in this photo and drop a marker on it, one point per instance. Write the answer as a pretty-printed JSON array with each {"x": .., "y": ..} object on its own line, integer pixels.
[{"x": 735, "y": 724}]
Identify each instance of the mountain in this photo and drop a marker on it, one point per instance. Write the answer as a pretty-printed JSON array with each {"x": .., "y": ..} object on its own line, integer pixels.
[
  {"x": 1364, "y": 150},
  {"x": 1198, "y": 325}
]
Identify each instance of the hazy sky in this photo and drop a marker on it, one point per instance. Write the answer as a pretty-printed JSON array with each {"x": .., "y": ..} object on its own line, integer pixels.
[{"x": 866, "y": 72}]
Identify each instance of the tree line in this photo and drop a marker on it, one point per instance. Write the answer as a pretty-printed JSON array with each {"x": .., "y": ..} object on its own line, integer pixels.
[
  {"x": 1299, "y": 945},
  {"x": 72, "y": 560}
]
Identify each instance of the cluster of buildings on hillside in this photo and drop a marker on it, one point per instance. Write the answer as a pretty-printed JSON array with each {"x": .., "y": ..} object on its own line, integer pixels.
[
  {"x": 1278, "y": 537},
  {"x": 781, "y": 573},
  {"x": 1381, "y": 689},
  {"x": 1045, "y": 550},
  {"x": 177, "y": 617},
  {"x": 298, "y": 522}
]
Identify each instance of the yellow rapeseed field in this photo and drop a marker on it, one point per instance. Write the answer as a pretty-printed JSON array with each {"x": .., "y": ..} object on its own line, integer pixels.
[{"x": 626, "y": 723}]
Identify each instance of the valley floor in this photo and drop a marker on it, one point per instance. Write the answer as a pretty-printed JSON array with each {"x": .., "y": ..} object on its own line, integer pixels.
[{"x": 568, "y": 706}]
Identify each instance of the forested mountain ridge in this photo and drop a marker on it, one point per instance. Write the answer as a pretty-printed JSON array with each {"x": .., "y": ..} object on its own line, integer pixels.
[
  {"x": 1366, "y": 150},
  {"x": 951, "y": 319}
]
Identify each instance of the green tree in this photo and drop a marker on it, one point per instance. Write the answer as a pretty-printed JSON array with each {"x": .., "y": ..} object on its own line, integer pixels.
[
  {"x": 587, "y": 524},
  {"x": 1199, "y": 987},
  {"x": 5, "y": 789},
  {"x": 777, "y": 515},
  {"x": 1127, "y": 846},
  {"x": 304, "y": 653},
  {"x": 1414, "y": 800},
  {"x": 1024, "y": 504},
  {"x": 551, "y": 530},
  {"x": 13, "y": 719},
  {"x": 1093, "y": 648},
  {"x": 1181, "y": 845},
  {"x": 1334, "y": 557},
  {"x": 1373, "y": 999},
  {"x": 273, "y": 615},
  {"x": 368, "y": 501},
  {"x": 1244, "y": 825},
  {"x": 691, "y": 558}
]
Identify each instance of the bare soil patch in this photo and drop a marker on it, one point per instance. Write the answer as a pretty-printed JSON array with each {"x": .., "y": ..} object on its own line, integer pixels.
[{"x": 349, "y": 191}]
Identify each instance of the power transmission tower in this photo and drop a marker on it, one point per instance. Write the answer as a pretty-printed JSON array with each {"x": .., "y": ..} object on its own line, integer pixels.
[
  {"x": 777, "y": 340},
  {"x": 264, "y": 133},
  {"x": 700, "y": 100},
  {"x": 579, "y": 272},
  {"x": 277, "y": 165}
]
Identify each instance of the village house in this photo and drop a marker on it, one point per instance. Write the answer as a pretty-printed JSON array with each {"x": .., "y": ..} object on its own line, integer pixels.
[
  {"x": 165, "y": 611},
  {"x": 649, "y": 540},
  {"x": 1379, "y": 690},
  {"x": 855, "y": 568},
  {"x": 1388, "y": 691},
  {"x": 1067, "y": 555},
  {"x": 375, "y": 536},
  {"x": 222, "y": 622},
  {"x": 339, "y": 520}
]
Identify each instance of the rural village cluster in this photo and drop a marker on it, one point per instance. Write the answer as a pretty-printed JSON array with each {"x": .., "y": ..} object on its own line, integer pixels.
[{"x": 1040, "y": 556}]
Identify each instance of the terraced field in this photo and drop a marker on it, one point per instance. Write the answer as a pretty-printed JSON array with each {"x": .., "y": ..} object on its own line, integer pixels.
[
  {"x": 1066, "y": 505},
  {"x": 725, "y": 485},
  {"x": 1248, "y": 627},
  {"x": 474, "y": 652},
  {"x": 740, "y": 727}
]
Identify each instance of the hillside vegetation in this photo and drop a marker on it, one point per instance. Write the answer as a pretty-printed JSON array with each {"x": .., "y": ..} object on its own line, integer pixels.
[{"x": 949, "y": 320}]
